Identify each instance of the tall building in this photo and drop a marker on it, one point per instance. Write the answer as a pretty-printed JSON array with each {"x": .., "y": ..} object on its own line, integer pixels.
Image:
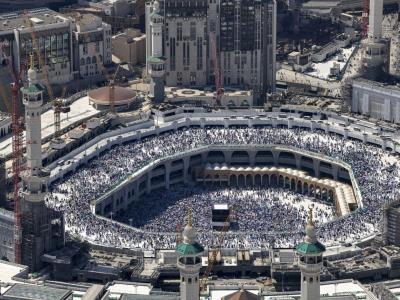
[
  {"x": 189, "y": 262},
  {"x": 42, "y": 229},
  {"x": 243, "y": 32},
  {"x": 310, "y": 262}
]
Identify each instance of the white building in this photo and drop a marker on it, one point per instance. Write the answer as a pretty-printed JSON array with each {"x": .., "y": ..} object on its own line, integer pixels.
[
  {"x": 376, "y": 100},
  {"x": 92, "y": 45},
  {"x": 53, "y": 32}
]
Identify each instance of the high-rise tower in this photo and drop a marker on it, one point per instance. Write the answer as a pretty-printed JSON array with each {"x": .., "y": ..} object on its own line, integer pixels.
[
  {"x": 156, "y": 61},
  {"x": 310, "y": 262},
  {"x": 42, "y": 228},
  {"x": 189, "y": 263}
]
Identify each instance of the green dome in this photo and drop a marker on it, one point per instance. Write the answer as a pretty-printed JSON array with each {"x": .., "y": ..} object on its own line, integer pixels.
[
  {"x": 307, "y": 248},
  {"x": 189, "y": 249}
]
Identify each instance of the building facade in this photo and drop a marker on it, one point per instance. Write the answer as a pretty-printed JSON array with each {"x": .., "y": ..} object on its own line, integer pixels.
[
  {"x": 130, "y": 46},
  {"x": 38, "y": 31},
  {"x": 7, "y": 251},
  {"x": 239, "y": 36},
  {"x": 71, "y": 47},
  {"x": 373, "y": 99},
  {"x": 391, "y": 223},
  {"x": 92, "y": 46}
]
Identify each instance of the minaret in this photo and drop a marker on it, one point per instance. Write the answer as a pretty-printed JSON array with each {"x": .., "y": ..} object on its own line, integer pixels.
[
  {"x": 33, "y": 101},
  {"x": 42, "y": 228},
  {"x": 310, "y": 262},
  {"x": 189, "y": 262},
  {"x": 375, "y": 19},
  {"x": 375, "y": 48},
  {"x": 156, "y": 61}
]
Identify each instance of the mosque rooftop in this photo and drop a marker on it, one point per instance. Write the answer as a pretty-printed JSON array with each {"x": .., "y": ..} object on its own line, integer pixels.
[
  {"x": 310, "y": 248},
  {"x": 189, "y": 249}
]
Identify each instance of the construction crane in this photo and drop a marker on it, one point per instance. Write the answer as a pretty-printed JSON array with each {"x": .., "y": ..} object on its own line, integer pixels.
[
  {"x": 214, "y": 252},
  {"x": 217, "y": 71},
  {"x": 59, "y": 107},
  {"x": 17, "y": 129},
  {"x": 364, "y": 19},
  {"x": 111, "y": 84}
]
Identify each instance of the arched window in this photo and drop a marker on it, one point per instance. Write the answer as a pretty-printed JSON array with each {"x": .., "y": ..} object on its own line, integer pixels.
[
  {"x": 94, "y": 60},
  {"x": 88, "y": 60},
  {"x": 82, "y": 61},
  {"x": 100, "y": 58}
]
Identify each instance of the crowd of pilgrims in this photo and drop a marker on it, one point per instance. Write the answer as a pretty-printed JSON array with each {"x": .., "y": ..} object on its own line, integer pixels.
[
  {"x": 252, "y": 209},
  {"x": 265, "y": 217}
]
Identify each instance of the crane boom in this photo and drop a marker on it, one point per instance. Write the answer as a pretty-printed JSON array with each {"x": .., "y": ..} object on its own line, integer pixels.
[
  {"x": 217, "y": 71},
  {"x": 17, "y": 128}
]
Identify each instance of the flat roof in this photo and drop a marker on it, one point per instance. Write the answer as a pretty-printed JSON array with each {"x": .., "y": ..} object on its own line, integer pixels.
[
  {"x": 25, "y": 291},
  {"x": 39, "y": 17},
  {"x": 9, "y": 270},
  {"x": 130, "y": 288},
  {"x": 80, "y": 109},
  {"x": 371, "y": 83}
]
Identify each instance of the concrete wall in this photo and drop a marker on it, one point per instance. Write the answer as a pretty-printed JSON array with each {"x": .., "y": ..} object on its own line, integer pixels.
[{"x": 377, "y": 101}]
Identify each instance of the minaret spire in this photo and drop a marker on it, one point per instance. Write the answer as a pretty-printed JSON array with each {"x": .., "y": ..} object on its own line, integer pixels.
[
  {"x": 32, "y": 74},
  {"x": 189, "y": 253},
  {"x": 310, "y": 261},
  {"x": 190, "y": 217}
]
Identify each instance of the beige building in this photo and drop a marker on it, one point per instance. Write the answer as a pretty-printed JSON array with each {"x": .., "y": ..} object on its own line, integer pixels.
[
  {"x": 130, "y": 46},
  {"x": 92, "y": 45}
]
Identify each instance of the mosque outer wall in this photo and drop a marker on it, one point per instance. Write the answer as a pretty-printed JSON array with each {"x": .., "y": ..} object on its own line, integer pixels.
[{"x": 108, "y": 140}]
